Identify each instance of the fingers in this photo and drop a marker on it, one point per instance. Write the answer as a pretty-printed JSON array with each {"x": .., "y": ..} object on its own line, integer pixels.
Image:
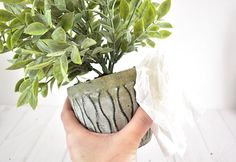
[
  {"x": 138, "y": 125},
  {"x": 69, "y": 120},
  {"x": 136, "y": 128}
]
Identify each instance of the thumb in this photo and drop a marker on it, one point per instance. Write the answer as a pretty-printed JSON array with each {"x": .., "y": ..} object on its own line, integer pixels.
[{"x": 138, "y": 125}]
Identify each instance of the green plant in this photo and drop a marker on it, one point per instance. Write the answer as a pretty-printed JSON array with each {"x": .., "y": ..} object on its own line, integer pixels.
[{"x": 58, "y": 40}]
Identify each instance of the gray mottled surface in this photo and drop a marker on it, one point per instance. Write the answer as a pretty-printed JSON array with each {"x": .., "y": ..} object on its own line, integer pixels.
[{"x": 108, "y": 104}]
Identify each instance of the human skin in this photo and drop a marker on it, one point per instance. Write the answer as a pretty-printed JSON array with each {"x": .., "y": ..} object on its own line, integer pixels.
[{"x": 87, "y": 146}]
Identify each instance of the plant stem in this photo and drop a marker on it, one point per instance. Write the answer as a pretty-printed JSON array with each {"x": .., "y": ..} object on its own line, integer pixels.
[
  {"x": 104, "y": 68},
  {"x": 112, "y": 54},
  {"x": 78, "y": 81},
  {"x": 97, "y": 71},
  {"x": 131, "y": 17},
  {"x": 49, "y": 80}
]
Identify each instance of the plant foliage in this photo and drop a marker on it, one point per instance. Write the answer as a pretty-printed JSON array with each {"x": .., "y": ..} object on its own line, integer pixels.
[{"x": 55, "y": 41}]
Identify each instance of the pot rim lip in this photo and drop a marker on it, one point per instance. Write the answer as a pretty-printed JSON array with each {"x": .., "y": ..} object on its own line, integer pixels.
[{"x": 90, "y": 86}]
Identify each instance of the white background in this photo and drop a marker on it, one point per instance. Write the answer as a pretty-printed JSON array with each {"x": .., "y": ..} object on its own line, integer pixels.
[{"x": 202, "y": 48}]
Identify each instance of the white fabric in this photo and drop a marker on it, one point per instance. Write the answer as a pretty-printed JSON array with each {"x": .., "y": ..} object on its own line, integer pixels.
[{"x": 160, "y": 95}]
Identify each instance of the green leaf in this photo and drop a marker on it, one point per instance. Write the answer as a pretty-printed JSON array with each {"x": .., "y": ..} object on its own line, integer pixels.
[
  {"x": 142, "y": 8},
  {"x": 19, "y": 64},
  {"x": 163, "y": 8},
  {"x": 75, "y": 55},
  {"x": 6, "y": 16},
  {"x": 44, "y": 90},
  {"x": 33, "y": 101},
  {"x": 138, "y": 28},
  {"x": 24, "y": 98},
  {"x": 42, "y": 46},
  {"x": 34, "y": 94},
  {"x": 41, "y": 65},
  {"x": 60, "y": 4},
  {"x": 64, "y": 66},
  {"x": 124, "y": 9},
  {"x": 3, "y": 26},
  {"x": 101, "y": 50},
  {"x": 34, "y": 88},
  {"x": 54, "y": 46},
  {"x": 153, "y": 27},
  {"x": 14, "y": 8},
  {"x": 59, "y": 35},
  {"x": 40, "y": 74},
  {"x": 16, "y": 36},
  {"x": 8, "y": 42},
  {"x": 17, "y": 86},
  {"x": 41, "y": 19},
  {"x": 154, "y": 34},
  {"x": 12, "y": 1},
  {"x": 150, "y": 43},
  {"x": 1, "y": 46},
  {"x": 134, "y": 4},
  {"x": 67, "y": 21},
  {"x": 107, "y": 35},
  {"x": 57, "y": 72},
  {"x": 25, "y": 84},
  {"x": 36, "y": 28},
  {"x": 149, "y": 15},
  {"x": 48, "y": 16},
  {"x": 88, "y": 42},
  {"x": 165, "y": 25},
  {"x": 47, "y": 5},
  {"x": 107, "y": 27},
  {"x": 116, "y": 21},
  {"x": 31, "y": 52},
  {"x": 164, "y": 33},
  {"x": 124, "y": 46},
  {"x": 55, "y": 54},
  {"x": 15, "y": 24},
  {"x": 28, "y": 18},
  {"x": 78, "y": 17},
  {"x": 31, "y": 73}
]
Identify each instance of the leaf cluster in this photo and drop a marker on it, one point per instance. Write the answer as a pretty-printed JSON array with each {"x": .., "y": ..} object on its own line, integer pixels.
[{"x": 55, "y": 41}]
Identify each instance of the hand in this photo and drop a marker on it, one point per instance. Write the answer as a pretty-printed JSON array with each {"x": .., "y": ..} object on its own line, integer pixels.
[{"x": 87, "y": 146}]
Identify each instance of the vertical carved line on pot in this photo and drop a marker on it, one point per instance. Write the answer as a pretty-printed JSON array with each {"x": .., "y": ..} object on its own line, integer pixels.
[
  {"x": 85, "y": 113},
  {"x": 75, "y": 110},
  {"x": 130, "y": 87},
  {"x": 121, "y": 109},
  {"x": 99, "y": 103},
  {"x": 114, "y": 110},
  {"x": 80, "y": 109},
  {"x": 131, "y": 99},
  {"x": 96, "y": 111}
]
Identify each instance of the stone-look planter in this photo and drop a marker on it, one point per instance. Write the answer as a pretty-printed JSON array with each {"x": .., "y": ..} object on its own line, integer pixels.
[{"x": 106, "y": 104}]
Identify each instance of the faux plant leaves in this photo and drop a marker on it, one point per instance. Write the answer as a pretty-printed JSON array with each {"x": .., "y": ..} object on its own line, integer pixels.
[
  {"x": 124, "y": 9},
  {"x": 6, "y": 16},
  {"x": 36, "y": 28},
  {"x": 56, "y": 41}
]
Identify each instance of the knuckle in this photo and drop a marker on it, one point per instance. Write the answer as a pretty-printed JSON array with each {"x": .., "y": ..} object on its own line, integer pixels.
[
  {"x": 62, "y": 116},
  {"x": 145, "y": 120}
]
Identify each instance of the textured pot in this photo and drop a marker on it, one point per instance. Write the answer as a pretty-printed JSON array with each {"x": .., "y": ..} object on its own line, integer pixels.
[{"x": 106, "y": 104}]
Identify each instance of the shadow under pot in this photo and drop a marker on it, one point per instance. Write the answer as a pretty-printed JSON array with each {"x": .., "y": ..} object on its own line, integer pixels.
[{"x": 106, "y": 104}]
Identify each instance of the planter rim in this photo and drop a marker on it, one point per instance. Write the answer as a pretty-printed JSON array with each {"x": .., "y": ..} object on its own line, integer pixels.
[{"x": 103, "y": 83}]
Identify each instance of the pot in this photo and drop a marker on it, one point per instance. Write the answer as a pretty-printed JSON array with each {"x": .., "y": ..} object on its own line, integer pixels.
[{"x": 106, "y": 104}]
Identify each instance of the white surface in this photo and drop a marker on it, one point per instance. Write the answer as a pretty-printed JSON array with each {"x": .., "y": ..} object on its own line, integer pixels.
[
  {"x": 202, "y": 46},
  {"x": 38, "y": 136}
]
